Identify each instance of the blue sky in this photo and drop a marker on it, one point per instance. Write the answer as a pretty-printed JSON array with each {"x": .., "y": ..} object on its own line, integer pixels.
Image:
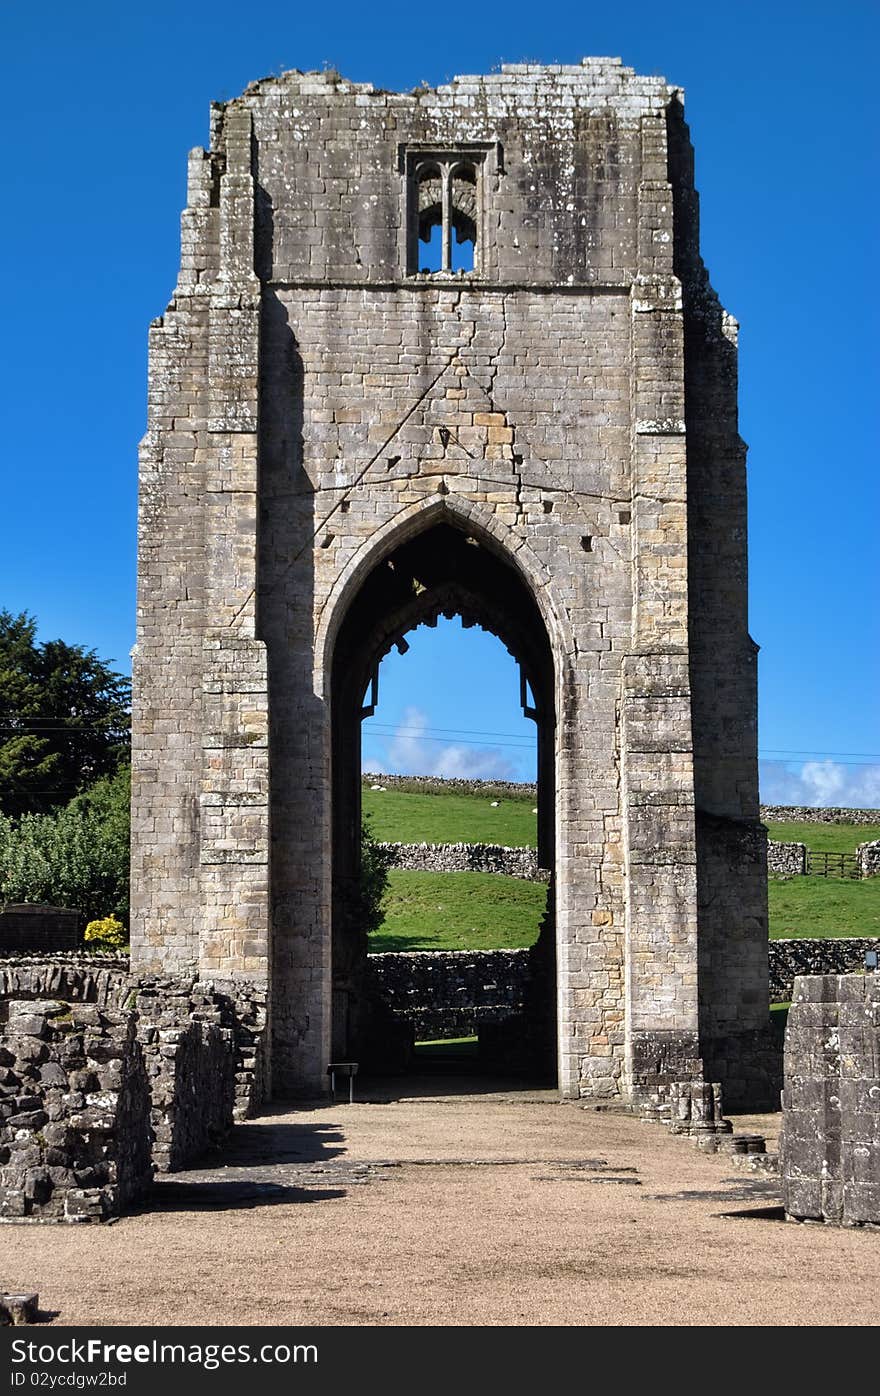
[{"x": 103, "y": 101}]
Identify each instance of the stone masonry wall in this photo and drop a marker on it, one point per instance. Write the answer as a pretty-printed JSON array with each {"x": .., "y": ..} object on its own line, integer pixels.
[
  {"x": 74, "y": 1111},
  {"x": 807, "y": 956},
  {"x": 451, "y": 993},
  {"x": 830, "y": 1144},
  {"x": 786, "y": 859},
  {"x": 101, "y": 1070},
  {"x": 466, "y": 857}
]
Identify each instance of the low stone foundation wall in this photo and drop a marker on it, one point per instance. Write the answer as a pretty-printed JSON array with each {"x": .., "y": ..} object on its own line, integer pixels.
[
  {"x": 466, "y": 857},
  {"x": 105, "y": 1076},
  {"x": 789, "y": 958},
  {"x": 830, "y": 1146},
  {"x": 451, "y": 993},
  {"x": 786, "y": 859},
  {"x": 74, "y": 1111}
]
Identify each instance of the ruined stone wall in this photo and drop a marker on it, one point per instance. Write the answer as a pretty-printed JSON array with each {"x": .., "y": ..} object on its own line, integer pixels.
[
  {"x": 74, "y": 1110},
  {"x": 830, "y": 1143},
  {"x": 317, "y": 400},
  {"x": 105, "y": 1076}
]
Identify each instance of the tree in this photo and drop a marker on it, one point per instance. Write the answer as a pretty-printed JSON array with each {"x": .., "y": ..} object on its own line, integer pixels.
[
  {"x": 75, "y": 857},
  {"x": 64, "y": 718},
  {"x": 372, "y": 883}
]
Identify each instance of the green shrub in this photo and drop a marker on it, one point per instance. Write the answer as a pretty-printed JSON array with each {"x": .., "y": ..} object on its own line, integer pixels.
[
  {"x": 77, "y": 857},
  {"x": 106, "y": 934},
  {"x": 373, "y": 883}
]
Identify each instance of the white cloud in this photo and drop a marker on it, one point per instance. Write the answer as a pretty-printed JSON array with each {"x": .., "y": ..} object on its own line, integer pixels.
[
  {"x": 409, "y": 752},
  {"x": 820, "y": 784}
]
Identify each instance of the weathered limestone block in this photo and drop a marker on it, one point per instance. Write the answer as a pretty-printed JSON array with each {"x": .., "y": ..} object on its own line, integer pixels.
[
  {"x": 830, "y": 1146},
  {"x": 16, "y": 1309}
]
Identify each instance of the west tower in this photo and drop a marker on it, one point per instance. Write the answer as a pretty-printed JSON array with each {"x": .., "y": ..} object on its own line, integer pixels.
[{"x": 545, "y": 441}]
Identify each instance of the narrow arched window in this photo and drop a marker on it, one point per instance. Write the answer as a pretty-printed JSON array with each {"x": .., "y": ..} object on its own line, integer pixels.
[
  {"x": 445, "y": 198},
  {"x": 430, "y": 183},
  {"x": 463, "y": 217}
]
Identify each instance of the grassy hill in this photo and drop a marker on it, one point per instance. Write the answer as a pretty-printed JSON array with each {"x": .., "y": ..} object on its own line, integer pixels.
[
  {"x": 459, "y": 911},
  {"x": 826, "y": 838},
  {"x": 398, "y": 816},
  {"x": 824, "y": 906},
  {"x": 482, "y": 911}
]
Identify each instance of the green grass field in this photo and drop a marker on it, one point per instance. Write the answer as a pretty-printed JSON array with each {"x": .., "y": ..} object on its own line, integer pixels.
[
  {"x": 399, "y": 816},
  {"x": 824, "y": 906},
  {"x": 396, "y": 816},
  {"x": 825, "y": 838},
  {"x": 482, "y": 911},
  {"x": 459, "y": 911}
]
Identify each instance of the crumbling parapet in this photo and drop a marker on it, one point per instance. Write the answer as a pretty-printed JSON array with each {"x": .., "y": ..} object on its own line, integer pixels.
[{"x": 830, "y": 1146}]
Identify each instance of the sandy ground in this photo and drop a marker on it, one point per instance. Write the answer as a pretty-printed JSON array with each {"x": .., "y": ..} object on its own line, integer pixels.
[{"x": 447, "y": 1208}]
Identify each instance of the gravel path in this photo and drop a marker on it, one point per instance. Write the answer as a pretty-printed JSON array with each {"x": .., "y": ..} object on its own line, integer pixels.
[{"x": 444, "y": 1208}]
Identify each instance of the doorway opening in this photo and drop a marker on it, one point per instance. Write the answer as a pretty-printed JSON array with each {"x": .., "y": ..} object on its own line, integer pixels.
[{"x": 442, "y": 574}]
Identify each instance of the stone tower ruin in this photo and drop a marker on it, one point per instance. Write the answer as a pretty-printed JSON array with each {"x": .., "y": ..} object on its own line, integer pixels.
[{"x": 538, "y": 433}]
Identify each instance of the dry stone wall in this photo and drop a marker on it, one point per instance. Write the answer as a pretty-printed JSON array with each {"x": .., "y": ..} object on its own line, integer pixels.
[
  {"x": 786, "y": 859},
  {"x": 466, "y": 857},
  {"x": 451, "y": 993},
  {"x": 807, "y": 956},
  {"x": 809, "y": 814},
  {"x": 830, "y": 1145}
]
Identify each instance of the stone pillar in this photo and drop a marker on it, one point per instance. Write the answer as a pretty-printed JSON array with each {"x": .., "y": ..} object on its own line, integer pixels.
[
  {"x": 656, "y": 738},
  {"x": 830, "y": 1147},
  {"x": 234, "y": 796}
]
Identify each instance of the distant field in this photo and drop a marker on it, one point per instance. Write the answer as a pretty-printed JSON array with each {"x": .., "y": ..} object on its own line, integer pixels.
[
  {"x": 483, "y": 911},
  {"x": 824, "y": 906},
  {"x": 826, "y": 838},
  {"x": 396, "y": 816},
  {"x": 459, "y": 911}
]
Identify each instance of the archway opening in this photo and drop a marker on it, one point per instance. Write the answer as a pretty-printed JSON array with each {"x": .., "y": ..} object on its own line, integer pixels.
[{"x": 444, "y": 572}]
